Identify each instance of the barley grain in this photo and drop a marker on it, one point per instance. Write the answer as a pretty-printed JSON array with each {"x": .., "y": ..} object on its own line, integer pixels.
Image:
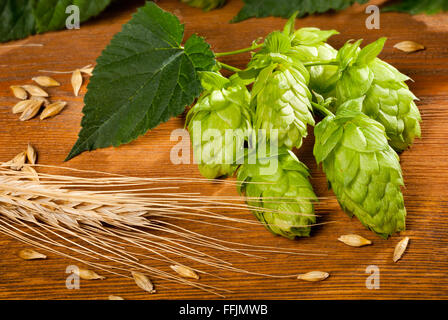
[
  {"x": 86, "y": 274},
  {"x": 30, "y": 254},
  {"x": 185, "y": 271},
  {"x": 18, "y": 161},
  {"x": 35, "y": 90},
  {"x": 45, "y": 102},
  {"x": 313, "y": 276},
  {"x": 143, "y": 282},
  {"x": 409, "y": 46},
  {"x": 19, "y": 92},
  {"x": 400, "y": 248},
  {"x": 354, "y": 240},
  {"x": 31, "y": 154},
  {"x": 76, "y": 81},
  {"x": 45, "y": 81},
  {"x": 21, "y": 106},
  {"x": 31, "y": 111},
  {"x": 87, "y": 70},
  {"x": 53, "y": 110}
]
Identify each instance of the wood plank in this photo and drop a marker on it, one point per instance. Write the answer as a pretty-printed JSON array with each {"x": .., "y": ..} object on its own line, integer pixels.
[{"x": 422, "y": 273}]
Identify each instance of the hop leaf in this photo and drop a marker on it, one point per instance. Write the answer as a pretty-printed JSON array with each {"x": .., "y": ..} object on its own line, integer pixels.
[
  {"x": 205, "y": 5},
  {"x": 362, "y": 169},
  {"x": 223, "y": 107},
  {"x": 141, "y": 79},
  {"x": 283, "y": 193}
]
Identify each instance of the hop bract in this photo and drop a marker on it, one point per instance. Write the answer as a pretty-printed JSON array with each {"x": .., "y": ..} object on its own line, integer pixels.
[
  {"x": 280, "y": 95},
  {"x": 280, "y": 188},
  {"x": 388, "y": 98},
  {"x": 390, "y": 102},
  {"x": 219, "y": 124},
  {"x": 309, "y": 44},
  {"x": 362, "y": 169}
]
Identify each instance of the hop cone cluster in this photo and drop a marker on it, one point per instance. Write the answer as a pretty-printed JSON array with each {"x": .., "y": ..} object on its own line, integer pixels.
[
  {"x": 362, "y": 169},
  {"x": 388, "y": 98},
  {"x": 223, "y": 106},
  {"x": 282, "y": 192},
  {"x": 280, "y": 94},
  {"x": 205, "y": 5},
  {"x": 375, "y": 113}
]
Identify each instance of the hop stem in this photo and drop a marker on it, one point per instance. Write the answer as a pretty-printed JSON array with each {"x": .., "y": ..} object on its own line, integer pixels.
[
  {"x": 322, "y": 109},
  {"x": 321, "y": 63},
  {"x": 229, "y": 67},
  {"x": 251, "y": 48}
]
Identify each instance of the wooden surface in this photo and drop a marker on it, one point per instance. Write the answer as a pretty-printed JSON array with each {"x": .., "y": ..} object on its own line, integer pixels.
[{"x": 421, "y": 274}]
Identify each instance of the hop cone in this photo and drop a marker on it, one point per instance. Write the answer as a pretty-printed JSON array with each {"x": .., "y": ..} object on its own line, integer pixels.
[
  {"x": 224, "y": 106},
  {"x": 205, "y": 5},
  {"x": 388, "y": 98},
  {"x": 280, "y": 94},
  {"x": 362, "y": 169},
  {"x": 283, "y": 194},
  {"x": 309, "y": 44},
  {"x": 390, "y": 102}
]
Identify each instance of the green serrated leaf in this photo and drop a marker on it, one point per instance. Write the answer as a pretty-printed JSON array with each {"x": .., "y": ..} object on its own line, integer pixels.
[
  {"x": 21, "y": 18},
  {"x": 284, "y": 8},
  {"x": 16, "y": 19},
  {"x": 50, "y": 14},
  {"x": 205, "y": 5},
  {"x": 142, "y": 78},
  {"x": 419, "y": 6},
  {"x": 200, "y": 53}
]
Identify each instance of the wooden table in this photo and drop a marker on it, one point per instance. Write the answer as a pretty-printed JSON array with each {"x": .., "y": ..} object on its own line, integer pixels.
[{"x": 421, "y": 274}]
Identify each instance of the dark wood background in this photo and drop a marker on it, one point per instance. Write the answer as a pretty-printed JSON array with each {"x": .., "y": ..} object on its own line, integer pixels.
[{"x": 421, "y": 274}]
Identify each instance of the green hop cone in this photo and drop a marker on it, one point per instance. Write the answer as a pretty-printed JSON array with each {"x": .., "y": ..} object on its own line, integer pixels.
[
  {"x": 362, "y": 169},
  {"x": 283, "y": 193},
  {"x": 218, "y": 124},
  {"x": 390, "y": 102},
  {"x": 280, "y": 94},
  {"x": 388, "y": 98},
  {"x": 309, "y": 45},
  {"x": 205, "y": 5}
]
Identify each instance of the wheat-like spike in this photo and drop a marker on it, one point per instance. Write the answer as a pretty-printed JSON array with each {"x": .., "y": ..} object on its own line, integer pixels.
[{"x": 120, "y": 224}]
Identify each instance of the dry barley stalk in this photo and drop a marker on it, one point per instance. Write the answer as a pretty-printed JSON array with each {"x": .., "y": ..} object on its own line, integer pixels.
[{"x": 121, "y": 220}]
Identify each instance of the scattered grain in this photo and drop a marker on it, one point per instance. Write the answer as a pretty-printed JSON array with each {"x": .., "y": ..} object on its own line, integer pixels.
[
  {"x": 19, "y": 92},
  {"x": 400, "y": 248},
  {"x": 76, "y": 81},
  {"x": 31, "y": 111},
  {"x": 52, "y": 110},
  {"x": 86, "y": 274},
  {"x": 45, "y": 81},
  {"x": 354, "y": 240},
  {"x": 185, "y": 272},
  {"x": 143, "y": 282},
  {"x": 30, "y": 254},
  {"x": 409, "y": 46},
  {"x": 313, "y": 276},
  {"x": 35, "y": 90}
]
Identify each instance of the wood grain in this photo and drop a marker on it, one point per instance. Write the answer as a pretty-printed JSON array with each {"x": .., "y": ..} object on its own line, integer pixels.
[{"x": 421, "y": 274}]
